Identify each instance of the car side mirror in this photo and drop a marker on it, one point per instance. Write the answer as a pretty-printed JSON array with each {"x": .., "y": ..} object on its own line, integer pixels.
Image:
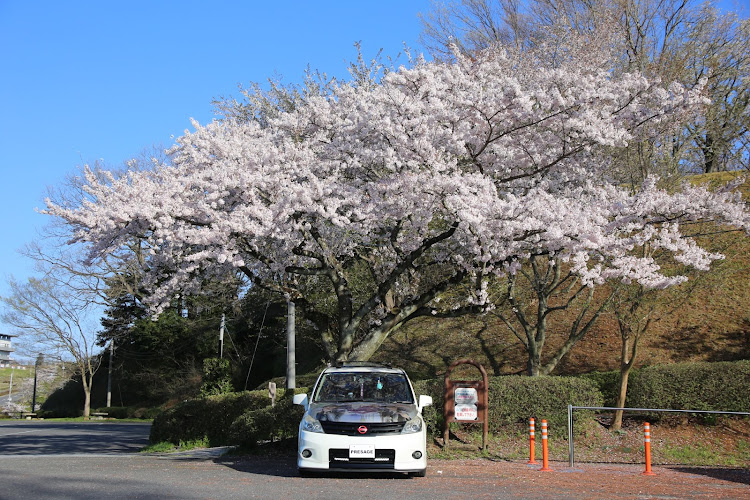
[
  {"x": 424, "y": 401},
  {"x": 300, "y": 399}
]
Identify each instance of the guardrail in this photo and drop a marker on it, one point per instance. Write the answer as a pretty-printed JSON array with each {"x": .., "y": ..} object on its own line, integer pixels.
[{"x": 571, "y": 449}]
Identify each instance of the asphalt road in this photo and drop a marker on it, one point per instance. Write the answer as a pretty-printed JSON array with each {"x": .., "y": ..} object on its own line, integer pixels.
[
  {"x": 98, "y": 460},
  {"x": 21, "y": 437}
]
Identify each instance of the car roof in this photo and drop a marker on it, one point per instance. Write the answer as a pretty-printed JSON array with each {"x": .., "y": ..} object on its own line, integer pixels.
[{"x": 371, "y": 368}]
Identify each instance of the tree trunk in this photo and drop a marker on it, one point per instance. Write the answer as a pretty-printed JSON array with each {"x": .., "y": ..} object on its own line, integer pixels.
[
  {"x": 621, "y": 394},
  {"x": 709, "y": 155},
  {"x": 534, "y": 364},
  {"x": 86, "y": 402},
  {"x": 87, "y": 380}
]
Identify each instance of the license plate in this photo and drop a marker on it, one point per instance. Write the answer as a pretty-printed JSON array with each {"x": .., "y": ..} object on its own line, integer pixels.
[{"x": 362, "y": 451}]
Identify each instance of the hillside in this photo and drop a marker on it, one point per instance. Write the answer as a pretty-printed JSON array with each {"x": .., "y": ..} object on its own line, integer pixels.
[{"x": 705, "y": 319}]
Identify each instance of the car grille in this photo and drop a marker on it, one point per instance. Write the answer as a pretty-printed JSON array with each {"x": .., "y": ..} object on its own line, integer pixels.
[
  {"x": 353, "y": 428},
  {"x": 339, "y": 459}
]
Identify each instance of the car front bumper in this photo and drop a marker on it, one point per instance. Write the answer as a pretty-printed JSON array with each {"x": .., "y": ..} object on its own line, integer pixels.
[{"x": 393, "y": 452}]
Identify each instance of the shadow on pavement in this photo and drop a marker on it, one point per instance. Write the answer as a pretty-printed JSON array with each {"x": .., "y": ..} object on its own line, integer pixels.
[
  {"x": 724, "y": 474},
  {"x": 287, "y": 467},
  {"x": 46, "y": 438}
]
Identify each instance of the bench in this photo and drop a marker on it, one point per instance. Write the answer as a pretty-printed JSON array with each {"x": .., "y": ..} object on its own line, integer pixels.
[{"x": 98, "y": 415}]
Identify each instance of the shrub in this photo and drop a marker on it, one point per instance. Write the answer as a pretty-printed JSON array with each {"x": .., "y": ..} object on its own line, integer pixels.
[
  {"x": 212, "y": 418},
  {"x": 114, "y": 411},
  {"x": 609, "y": 384},
  {"x": 252, "y": 427},
  {"x": 255, "y": 426},
  {"x": 208, "y": 417},
  {"x": 432, "y": 415},
  {"x": 217, "y": 377},
  {"x": 719, "y": 386},
  {"x": 145, "y": 413},
  {"x": 514, "y": 399}
]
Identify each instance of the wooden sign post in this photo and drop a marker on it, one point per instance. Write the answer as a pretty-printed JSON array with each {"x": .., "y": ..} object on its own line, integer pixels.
[{"x": 466, "y": 401}]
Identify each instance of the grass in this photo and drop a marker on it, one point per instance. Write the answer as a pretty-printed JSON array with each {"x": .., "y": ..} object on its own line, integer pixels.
[
  {"x": 708, "y": 453},
  {"x": 163, "y": 447},
  {"x": 697, "y": 454},
  {"x": 167, "y": 447},
  {"x": 723, "y": 445},
  {"x": 18, "y": 375}
]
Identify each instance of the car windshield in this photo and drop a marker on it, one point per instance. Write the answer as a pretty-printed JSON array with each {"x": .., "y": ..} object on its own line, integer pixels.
[{"x": 363, "y": 386}]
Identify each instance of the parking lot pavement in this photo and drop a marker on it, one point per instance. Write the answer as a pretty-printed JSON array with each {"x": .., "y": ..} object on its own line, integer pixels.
[{"x": 87, "y": 471}]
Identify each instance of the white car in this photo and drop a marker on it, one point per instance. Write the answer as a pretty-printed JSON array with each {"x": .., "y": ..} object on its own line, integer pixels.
[{"x": 362, "y": 417}]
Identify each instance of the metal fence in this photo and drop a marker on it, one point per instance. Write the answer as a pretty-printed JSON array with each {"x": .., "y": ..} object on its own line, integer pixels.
[{"x": 609, "y": 408}]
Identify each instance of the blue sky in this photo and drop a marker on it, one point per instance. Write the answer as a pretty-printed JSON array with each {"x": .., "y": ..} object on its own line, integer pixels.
[
  {"x": 97, "y": 80},
  {"x": 83, "y": 81}
]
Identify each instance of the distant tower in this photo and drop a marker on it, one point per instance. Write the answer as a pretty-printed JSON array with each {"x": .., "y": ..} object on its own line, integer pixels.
[{"x": 5, "y": 349}]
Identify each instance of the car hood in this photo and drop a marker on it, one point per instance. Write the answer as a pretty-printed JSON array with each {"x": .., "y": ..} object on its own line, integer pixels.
[{"x": 360, "y": 411}]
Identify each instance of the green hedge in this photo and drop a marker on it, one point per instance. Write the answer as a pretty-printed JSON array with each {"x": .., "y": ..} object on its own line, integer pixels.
[
  {"x": 255, "y": 426},
  {"x": 718, "y": 386},
  {"x": 609, "y": 383},
  {"x": 514, "y": 399},
  {"x": 433, "y": 415},
  {"x": 212, "y": 417},
  {"x": 517, "y": 398}
]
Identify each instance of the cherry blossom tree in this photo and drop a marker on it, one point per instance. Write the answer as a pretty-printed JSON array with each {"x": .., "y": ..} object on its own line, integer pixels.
[{"x": 439, "y": 174}]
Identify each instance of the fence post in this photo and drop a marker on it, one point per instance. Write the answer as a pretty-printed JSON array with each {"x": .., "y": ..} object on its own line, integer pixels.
[
  {"x": 647, "y": 446},
  {"x": 531, "y": 442},
  {"x": 545, "y": 454},
  {"x": 571, "y": 452}
]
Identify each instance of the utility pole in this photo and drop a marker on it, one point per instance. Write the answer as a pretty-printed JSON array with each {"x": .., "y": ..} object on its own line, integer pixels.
[
  {"x": 109, "y": 374},
  {"x": 290, "y": 348},
  {"x": 10, "y": 388},
  {"x": 37, "y": 364},
  {"x": 221, "y": 337}
]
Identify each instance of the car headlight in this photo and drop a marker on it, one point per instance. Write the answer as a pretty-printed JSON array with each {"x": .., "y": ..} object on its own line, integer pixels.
[
  {"x": 412, "y": 426},
  {"x": 309, "y": 424}
]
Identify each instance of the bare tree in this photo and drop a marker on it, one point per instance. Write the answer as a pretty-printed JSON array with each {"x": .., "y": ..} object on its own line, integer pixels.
[
  {"x": 547, "y": 289},
  {"x": 636, "y": 309},
  {"x": 688, "y": 41},
  {"x": 52, "y": 317},
  {"x": 59, "y": 310},
  {"x": 718, "y": 49}
]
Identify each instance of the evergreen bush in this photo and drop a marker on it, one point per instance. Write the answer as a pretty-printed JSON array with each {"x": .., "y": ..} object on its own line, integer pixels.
[
  {"x": 609, "y": 384},
  {"x": 256, "y": 426},
  {"x": 212, "y": 418},
  {"x": 208, "y": 417},
  {"x": 717, "y": 386}
]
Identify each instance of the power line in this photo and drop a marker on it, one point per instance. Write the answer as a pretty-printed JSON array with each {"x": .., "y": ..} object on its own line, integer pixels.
[{"x": 260, "y": 331}]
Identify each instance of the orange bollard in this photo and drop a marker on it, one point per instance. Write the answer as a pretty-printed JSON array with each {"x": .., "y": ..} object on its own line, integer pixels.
[
  {"x": 647, "y": 445},
  {"x": 531, "y": 442},
  {"x": 545, "y": 455}
]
